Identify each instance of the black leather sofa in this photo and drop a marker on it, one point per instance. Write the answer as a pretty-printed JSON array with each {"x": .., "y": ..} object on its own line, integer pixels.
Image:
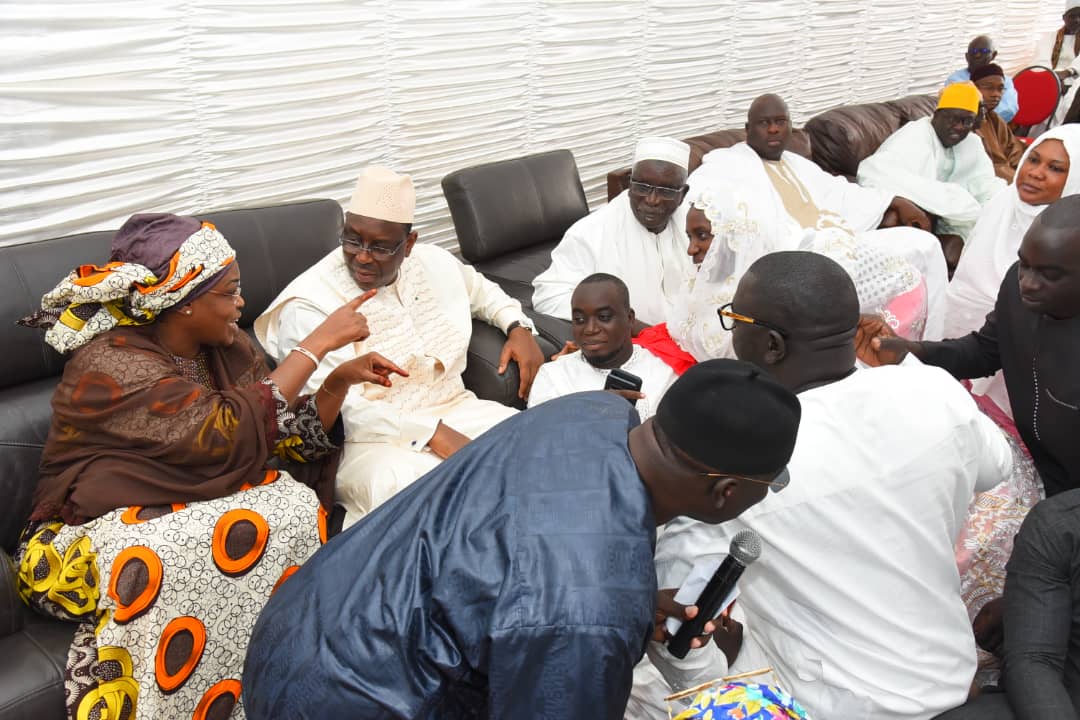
[
  {"x": 510, "y": 215},
  {"x": 274, "y": 244}
]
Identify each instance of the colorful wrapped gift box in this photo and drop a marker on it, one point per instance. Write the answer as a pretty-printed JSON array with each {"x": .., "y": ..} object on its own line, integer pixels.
[{"x": 743, "y": 701}]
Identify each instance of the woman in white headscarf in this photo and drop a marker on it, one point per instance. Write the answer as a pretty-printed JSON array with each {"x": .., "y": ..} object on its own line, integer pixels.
[
  {"x": 1042, "y": 177},
  {"x": 888, "y": 284}
]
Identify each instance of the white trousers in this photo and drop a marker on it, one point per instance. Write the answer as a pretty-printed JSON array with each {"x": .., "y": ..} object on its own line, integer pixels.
[{"x": 371, "y": 473}]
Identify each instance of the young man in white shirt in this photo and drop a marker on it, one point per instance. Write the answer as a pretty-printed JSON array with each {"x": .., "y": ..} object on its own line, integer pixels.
[
  {"x": 602, "y": 321},
  {"x": 855, "y": 602}
]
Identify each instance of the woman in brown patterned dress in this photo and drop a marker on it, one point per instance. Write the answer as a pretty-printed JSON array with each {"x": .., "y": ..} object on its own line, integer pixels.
[{"x": 167, "y": 510}]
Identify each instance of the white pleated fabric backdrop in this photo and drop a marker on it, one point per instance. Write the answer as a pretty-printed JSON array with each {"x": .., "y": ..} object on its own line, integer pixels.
[{"x": 113, "y": 107}]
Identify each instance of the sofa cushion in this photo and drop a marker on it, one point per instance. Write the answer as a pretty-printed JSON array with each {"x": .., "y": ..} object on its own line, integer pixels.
[
  {"x": 844, "y": 136},
  {"x": 275, "y": 244},
  {"x": 32, "y": 682},
  {"x": 503, "y": 207},
  {"x": 25, "y": 411},
  {"x": 514, "y": 272},
  {"x": 27, "y": 272}
]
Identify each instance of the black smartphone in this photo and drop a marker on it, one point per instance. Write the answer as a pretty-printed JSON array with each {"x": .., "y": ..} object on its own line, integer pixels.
[{"x": 619, "y": 379}]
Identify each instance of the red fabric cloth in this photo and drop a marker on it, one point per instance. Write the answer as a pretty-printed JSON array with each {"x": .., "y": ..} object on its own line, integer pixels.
[{"x": 658, "y": 341}]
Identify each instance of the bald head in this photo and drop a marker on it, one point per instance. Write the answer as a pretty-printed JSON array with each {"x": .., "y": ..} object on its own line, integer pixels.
[
  {"x": 980, "y": 52},
  {"x": 768, "y": 126},
  {"x": 1062, "y": 215},
  {"x": 812, "y": 300},
  {"x": 1049, "y": 269},
  {"x": 769, "y": 104},
  {"x": 804, "y": 292}
]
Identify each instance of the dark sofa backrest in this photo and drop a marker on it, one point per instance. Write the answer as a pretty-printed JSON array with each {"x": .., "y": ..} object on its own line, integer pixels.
[
  {"x": 511, "y": 205},
  {"x": 844, "y": 136},
  {"x": 274, "y": 244}
]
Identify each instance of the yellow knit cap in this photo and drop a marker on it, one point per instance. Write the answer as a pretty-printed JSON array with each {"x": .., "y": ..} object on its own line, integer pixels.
[{"x": 962, "y": 96}]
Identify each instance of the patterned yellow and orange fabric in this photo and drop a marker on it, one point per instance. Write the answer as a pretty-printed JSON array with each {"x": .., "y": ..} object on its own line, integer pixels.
[
  {"x": 166, "y": 596},
  {"x": 93, "y": 299}
]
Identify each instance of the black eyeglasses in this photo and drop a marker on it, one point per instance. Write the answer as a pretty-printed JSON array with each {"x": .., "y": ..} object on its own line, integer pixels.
[
  {"x": 379, "y": 252},
  {"x": 980, "y": 51},
  {"x": 728, "y": 318},
  {"x": 644, "y": 190}
]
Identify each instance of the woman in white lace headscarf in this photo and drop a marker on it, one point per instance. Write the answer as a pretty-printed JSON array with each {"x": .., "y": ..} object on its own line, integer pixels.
[{"x": 888, "y": 285}]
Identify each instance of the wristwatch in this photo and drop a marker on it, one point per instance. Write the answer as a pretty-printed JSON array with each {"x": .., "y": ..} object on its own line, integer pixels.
[{"x": 524, "y": 322}]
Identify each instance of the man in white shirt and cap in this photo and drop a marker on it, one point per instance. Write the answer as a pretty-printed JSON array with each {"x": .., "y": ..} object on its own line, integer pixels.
[
  {"x": 601, "y": 322},
  {"x": 1060, "y": 50},
  {"x": 940, "y": 165},
  {"x": 634, "y": 237},
  {"x": 420, "y": 310}
]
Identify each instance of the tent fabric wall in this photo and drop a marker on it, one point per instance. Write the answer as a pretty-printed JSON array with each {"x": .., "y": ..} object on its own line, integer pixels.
[{"x": 119, "y": 106}]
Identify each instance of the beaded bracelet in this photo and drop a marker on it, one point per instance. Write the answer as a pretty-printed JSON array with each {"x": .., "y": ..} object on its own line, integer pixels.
[
  {"x": 307, "y": 353},
  {"x": 331, "y": 394}
]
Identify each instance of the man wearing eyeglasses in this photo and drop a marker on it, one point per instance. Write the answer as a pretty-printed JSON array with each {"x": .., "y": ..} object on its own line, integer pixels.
[
  {"x": 634, "y": 237},
  {"x": 855, "y": 601},
  {"x": 421, "y": 316},
  {"x": 940, "y": 165},
  {"x": 980, "y": 53}
]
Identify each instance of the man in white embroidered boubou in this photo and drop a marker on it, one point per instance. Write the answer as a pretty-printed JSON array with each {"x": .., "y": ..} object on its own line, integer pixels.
[{"x": 421, "y": 317}]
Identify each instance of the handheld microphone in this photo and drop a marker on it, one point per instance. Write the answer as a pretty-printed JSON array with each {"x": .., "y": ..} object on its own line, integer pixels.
[{"x": 745, "y": 549}]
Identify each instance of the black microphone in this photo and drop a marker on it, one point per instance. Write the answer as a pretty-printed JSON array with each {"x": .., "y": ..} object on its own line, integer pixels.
[{"x": 745, "y": 549}]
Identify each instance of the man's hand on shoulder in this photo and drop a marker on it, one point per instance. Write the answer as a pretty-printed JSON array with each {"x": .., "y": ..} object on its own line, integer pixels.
[
  {"x": 876, "y": 344},
  {"x": 521, "y": 347}
]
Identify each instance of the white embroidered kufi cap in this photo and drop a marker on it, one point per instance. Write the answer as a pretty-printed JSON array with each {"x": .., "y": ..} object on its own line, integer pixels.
[
  {"x": 382, "y": 194},
  {"x": 666, "y": 149}
]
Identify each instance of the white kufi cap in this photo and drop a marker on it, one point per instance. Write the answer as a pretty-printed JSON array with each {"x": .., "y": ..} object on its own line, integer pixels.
[
  {"x": 382, "y": 194},
  {"x": 665, "y": 149}
]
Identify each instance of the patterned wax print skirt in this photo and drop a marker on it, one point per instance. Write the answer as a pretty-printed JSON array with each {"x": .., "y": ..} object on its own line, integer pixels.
[
  {"x": 743, "y": 701},
  {"x": 166, "y": 596},
  {"x": 985, "y": 542}
]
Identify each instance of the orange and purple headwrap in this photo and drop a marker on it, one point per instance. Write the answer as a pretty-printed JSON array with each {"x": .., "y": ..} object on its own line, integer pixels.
[{"x": 157, "y": 261}]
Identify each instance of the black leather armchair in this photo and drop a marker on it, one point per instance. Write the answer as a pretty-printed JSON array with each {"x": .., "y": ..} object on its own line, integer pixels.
[
  {"x": 509, "y": 215},
  {"x": 274, "y": 244}
]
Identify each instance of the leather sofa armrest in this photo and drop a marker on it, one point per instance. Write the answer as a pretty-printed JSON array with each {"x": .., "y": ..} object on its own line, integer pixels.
[
  {"x": 555, "y": 331},
  {"x": 482, "y": 366},
  {"x": 11, "y": 617}
]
